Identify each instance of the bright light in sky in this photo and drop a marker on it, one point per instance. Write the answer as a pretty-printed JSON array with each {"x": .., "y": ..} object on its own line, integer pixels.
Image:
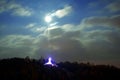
[{"x": 48, "y": 18}]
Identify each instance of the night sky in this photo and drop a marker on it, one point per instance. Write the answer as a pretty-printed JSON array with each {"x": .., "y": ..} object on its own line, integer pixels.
[{"x": 75, "y": 30}]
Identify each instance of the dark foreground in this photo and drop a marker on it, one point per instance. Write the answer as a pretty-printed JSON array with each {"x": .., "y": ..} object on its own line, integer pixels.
[{"x": 26, "y": 69}]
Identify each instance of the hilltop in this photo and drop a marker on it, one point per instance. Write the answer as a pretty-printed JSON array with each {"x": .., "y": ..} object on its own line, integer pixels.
[{"x": 31, "y": 69}]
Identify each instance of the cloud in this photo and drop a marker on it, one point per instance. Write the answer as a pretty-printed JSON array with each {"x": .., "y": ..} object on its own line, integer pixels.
[
  {"x": 16, "y": 46},
  {"x": 65, "y": 43},
  {"x": 100, "y": 36},
  {"x": 69, "y": 40},
  {"x": 54, "y": 32},
  {"x": 113, "y": 7},
  {"x": 53, "y": 24},
  {"x": 2, "y": 3},
  {"x": 22, "y": 12},
  {"x": 102, "y": 44},
  {"x": 93, "y": 44},
  {"x": 14, "y": 8},
  {"x": 35, "y": 27},
  {"x": 31, "y": 25},
  {"x": 62, "y": 12},
  {"x": 22, "y": 46},
  {"x": 73, "y": 49},
  {"x": 112, "y": 21}
]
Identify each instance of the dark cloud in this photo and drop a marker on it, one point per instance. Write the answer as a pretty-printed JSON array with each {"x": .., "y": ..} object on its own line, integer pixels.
[
  {"x": 16, "y": 46},
  {"x": 103, "y": 45},
  {"x": 8, "y": 52},
  {"x": 55, "y": 32},
  {"x": 71, "y": 48},
  {"x": 72, "y": 34},
  {"x": 65, "y": 44},
  {"x": 112, "y": 21},
  {"x": 114, "y": 38},
  {"x": 113, "y": 7}
]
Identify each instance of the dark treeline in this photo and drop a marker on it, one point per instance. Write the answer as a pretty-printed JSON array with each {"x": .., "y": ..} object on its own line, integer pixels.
[{"x": 31, "y": 69}]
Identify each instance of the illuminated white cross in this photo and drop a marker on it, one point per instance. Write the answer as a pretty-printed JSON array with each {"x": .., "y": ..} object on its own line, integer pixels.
[{"x": 50, "y": 62}]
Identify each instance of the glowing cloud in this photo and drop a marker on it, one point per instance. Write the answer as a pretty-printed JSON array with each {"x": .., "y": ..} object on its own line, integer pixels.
[
  {"x": 63, "y": 12},
  {"x": 59, "y": 14}
]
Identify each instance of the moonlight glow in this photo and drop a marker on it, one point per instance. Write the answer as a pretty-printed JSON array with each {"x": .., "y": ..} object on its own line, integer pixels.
[{"x": 48, "y": 18}]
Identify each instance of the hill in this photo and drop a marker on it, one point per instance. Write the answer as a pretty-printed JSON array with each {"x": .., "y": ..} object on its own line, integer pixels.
[{"x": 31, "y": 69}]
